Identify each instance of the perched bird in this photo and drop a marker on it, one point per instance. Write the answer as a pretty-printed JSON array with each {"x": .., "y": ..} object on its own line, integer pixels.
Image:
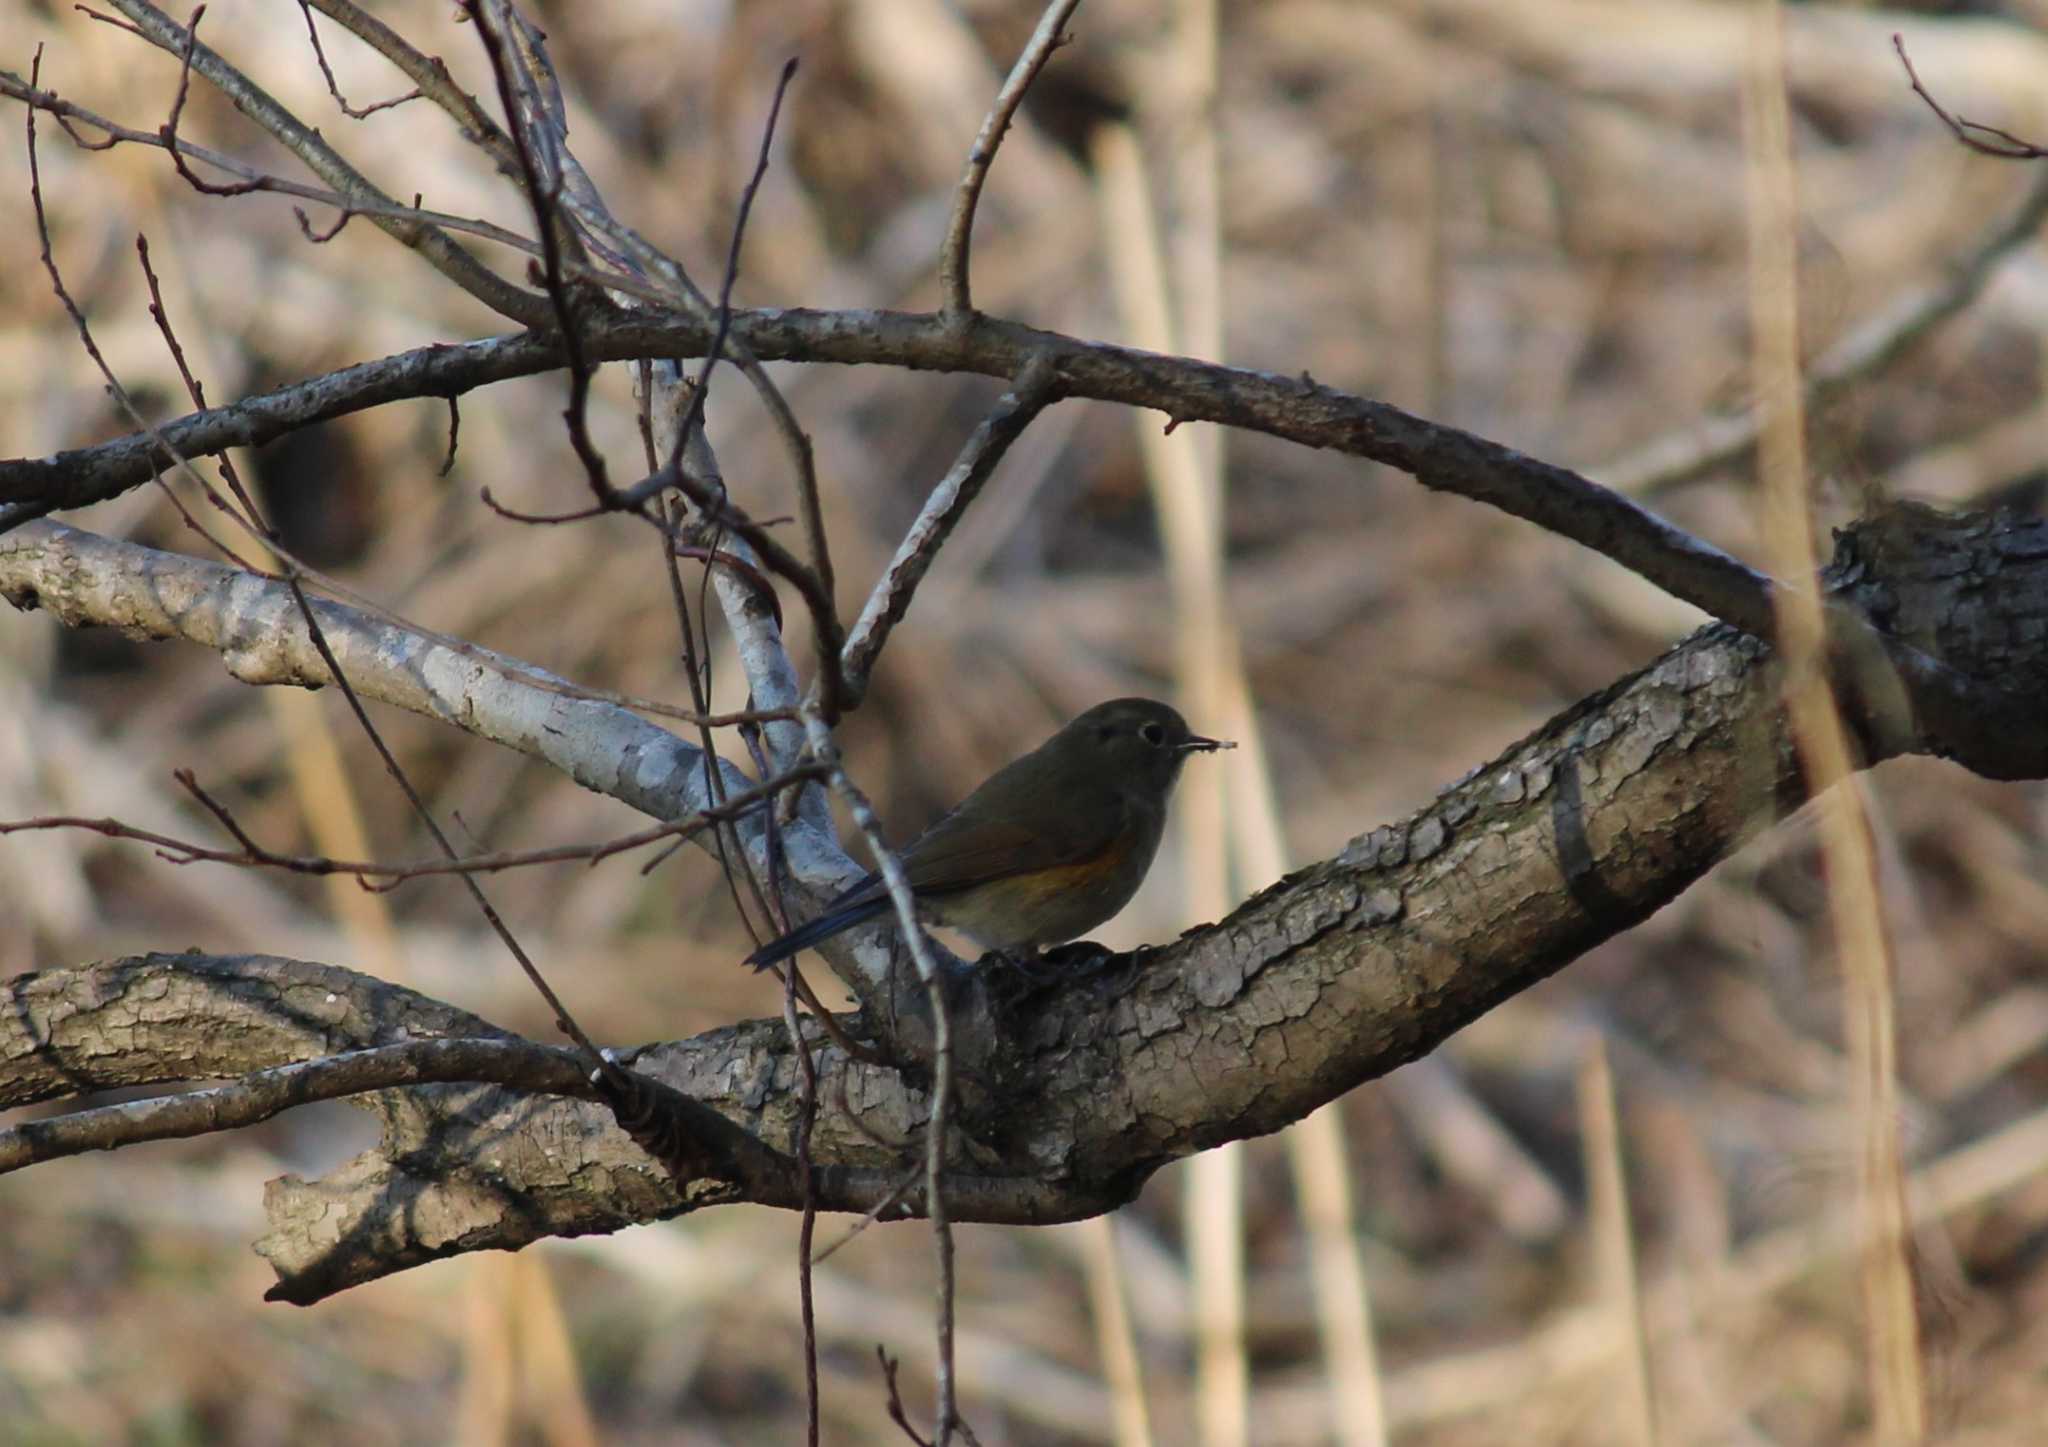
[{"x": 1052, "y": 845}]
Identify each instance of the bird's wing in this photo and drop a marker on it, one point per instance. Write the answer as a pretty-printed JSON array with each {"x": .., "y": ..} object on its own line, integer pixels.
[{"x": 965, "y": 849}]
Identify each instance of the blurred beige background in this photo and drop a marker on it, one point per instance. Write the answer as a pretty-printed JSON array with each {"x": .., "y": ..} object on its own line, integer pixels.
[{"x": 1526, "y": 220}]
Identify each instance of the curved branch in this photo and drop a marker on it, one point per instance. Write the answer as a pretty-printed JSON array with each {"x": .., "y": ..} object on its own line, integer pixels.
[
  {"x": 1298, "y": 409},
  {"x": 35, "y": 487},
  {"x": 1045, "y": 39}
]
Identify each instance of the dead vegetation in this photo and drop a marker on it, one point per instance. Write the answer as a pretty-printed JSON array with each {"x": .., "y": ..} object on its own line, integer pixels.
[{"x": 1525, "y": 220}]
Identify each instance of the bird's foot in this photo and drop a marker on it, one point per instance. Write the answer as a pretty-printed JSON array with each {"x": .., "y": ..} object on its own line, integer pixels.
[
  {"x": 1077, "y": 958},
  {"x": 1027, "y": 968},
  {"x": 1057, "y": 962}
]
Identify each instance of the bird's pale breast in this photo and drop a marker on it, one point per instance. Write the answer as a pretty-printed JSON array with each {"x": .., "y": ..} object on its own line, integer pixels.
[{"x": 1048, "y": 906}]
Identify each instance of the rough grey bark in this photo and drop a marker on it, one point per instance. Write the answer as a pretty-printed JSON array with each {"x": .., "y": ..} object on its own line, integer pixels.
[{"x": 1079, "y": 1087}]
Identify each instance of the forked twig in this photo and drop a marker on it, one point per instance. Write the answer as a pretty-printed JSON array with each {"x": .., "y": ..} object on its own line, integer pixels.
[
  {"x": 333, "y": 89},
  {"x": 2004, "y": 144},
  {"x": 434, "y": 244}
]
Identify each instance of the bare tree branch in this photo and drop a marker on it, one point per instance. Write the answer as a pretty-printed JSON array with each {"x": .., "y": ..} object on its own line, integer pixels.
[
  {"x": 263, "y": 1094},
  {"x": 83, "y": 579},
  {"x": 960, "y": 228},
  {"x": 1985, "y": 140},
  {"x": 1073, "y": 1091},
  {"x": 1297, "y": 409},
  {"x": 1709, "y": 444},
  {"x": 251, "y": 854},
  {"x": 66, "y": 112},
  {"x": 984, "y": 450},
  {"x": 439, "y": 249}
]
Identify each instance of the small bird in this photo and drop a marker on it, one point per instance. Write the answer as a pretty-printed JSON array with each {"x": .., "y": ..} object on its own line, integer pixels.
[{"x": 1050, "y": 846}]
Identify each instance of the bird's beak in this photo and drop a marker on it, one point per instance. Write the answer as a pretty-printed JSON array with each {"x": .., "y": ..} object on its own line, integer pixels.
[{"x": 1199, "y": 745}]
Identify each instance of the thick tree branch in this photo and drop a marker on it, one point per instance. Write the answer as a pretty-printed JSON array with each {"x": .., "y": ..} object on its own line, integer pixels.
[
  {"x": 1077, "y": 1094},
  {"x": 1073, "y": 1091}
]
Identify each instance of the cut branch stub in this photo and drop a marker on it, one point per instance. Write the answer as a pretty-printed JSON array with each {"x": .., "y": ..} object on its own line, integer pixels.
[{"x": 1959, "y": 594}]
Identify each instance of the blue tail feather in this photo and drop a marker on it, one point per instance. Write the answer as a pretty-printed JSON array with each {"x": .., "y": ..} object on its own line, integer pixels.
[{"x": 826, "y": 925}]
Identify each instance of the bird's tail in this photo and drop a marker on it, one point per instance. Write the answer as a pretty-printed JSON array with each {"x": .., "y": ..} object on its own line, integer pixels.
[{"x": 822, "y": 928}]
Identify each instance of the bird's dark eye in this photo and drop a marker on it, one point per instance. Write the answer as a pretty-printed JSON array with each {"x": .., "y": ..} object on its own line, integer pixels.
[{"x": 1152, "y": 734}]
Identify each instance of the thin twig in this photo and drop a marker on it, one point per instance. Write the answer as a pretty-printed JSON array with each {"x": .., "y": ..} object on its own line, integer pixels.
[
  {"x": 897, "y": 1412},
  {"x": 430, "y": 241},
  {"x": 454, "y": 431},
  {"x": 542, "y": 186},
  {"x": 196, "y": 390},
  {"x": 1014, "y": 411},
  {"x": 221, "y": 813},
  {"x": 563, "y": 1019},
  {"x": 115, "y": 389},
  {"x": 1710, "y": 444},
  {"x": 733, "y": 858},
  {"x": 807, "y": 1227},
  {"x": 254, "y": 855},
  {"x": 333, "y": 89},
  {"x": 898, "y": 885},
  {"x": 2004, "y": 144},
  {"x": 66, "y": 112},
  {"x": 428, "y": 74},
  {"x": 693, "y": 415},
  {"x": 817, "y": 588},
  {"x": 169, "y": 132},
  {"x": 960, "y": 227},
  {"x": 717, "y": 509},
  {"x": 875, "y": 1212}
]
